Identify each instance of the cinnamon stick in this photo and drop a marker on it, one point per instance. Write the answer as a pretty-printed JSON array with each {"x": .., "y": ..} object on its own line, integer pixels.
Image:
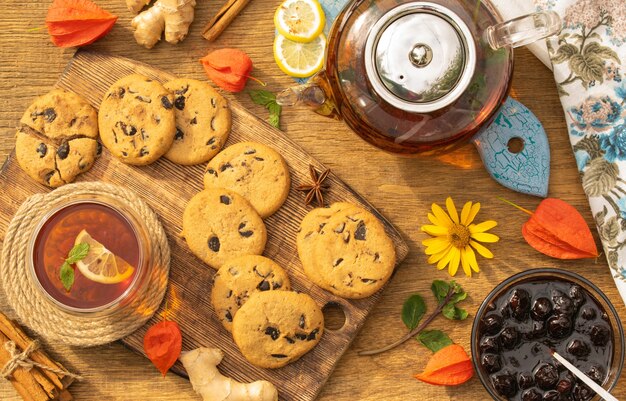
[
  {"x": 46, "y": 385},
  {"x": 223, "y": 18},
  {"x": 27, "y": 382},
  {"x": 65, "y": 396},
  {"x": 22, "y": 391},
  {"x": 17, "y": 335}
]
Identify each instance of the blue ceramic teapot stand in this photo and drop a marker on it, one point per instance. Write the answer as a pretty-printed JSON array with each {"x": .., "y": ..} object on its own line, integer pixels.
[{"x": 525, "y": 169}]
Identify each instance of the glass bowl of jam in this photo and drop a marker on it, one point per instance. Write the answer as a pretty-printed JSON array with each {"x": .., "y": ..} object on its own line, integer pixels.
[
  {"x": 529, "y": 314},
  {"x": 109, "y": 221}
]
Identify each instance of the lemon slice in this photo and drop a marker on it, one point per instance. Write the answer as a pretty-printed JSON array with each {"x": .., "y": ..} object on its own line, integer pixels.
[
  {"x": 300, "y": 20},
  {"x": 299, "y": 60},
  {"x": 100, "y": 264}
]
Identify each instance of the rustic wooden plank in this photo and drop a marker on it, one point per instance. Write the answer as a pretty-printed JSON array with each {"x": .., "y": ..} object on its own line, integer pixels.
[
  {"x": 167, "y": 187},
  {"x": 402, "y": 188}
]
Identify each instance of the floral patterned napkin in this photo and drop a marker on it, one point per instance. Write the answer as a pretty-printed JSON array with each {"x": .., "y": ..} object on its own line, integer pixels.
[{"x": 588, "y": 63}]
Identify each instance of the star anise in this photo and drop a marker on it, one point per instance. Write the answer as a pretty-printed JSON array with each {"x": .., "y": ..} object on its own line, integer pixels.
[{"x": 314, "y": 189}]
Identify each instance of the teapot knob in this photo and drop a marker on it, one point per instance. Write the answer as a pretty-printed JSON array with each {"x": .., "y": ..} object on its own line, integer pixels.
[{"x": 421, "y": 55}]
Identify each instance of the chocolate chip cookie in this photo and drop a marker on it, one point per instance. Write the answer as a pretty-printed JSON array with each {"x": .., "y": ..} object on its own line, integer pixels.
[
  {"x": 239, "y": 278},
  {"x": 255, "y": 171},
  {"x": 274, "y": 328},
  {"x": 136, "y": 120},
  {"x": 57, "y": 138},
  {"x": 60, "y": 115},
  {"x": 309, "y": 229},
  {"x": 202, "y": 121},
  {"x": 351, "y": 256},
  {"x": 219, "y": 225}
]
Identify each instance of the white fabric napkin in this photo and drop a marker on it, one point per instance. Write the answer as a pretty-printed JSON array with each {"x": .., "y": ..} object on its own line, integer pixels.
[{"x": 588, "y": 60}]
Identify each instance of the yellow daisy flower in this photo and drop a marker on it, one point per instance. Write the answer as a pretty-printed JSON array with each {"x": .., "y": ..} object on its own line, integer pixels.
[{"x": 455, "y": 237}]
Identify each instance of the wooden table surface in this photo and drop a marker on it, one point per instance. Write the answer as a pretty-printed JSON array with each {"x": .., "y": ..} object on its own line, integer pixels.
[{"x": 402, "y": 189}]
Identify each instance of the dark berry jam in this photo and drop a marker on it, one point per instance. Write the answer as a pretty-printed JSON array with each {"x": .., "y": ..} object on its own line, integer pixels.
[{"x": 531, "y": 317}]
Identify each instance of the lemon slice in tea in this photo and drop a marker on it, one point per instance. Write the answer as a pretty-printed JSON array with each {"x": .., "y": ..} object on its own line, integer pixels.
[
  {"x": 300, "y": 20},
  {"x": 100, "y": 264},
  {"x": 299, "y": 60}
]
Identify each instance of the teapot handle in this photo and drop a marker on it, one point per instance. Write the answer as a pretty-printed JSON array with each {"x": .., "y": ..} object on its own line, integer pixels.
[{"x": 523, "y": 30}]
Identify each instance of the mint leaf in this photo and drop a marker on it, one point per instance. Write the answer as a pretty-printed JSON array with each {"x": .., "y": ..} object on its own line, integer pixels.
[
  {"x": 66, "y": 273},
  {"x": 434, "y": 340},
  {"x": 459, "y": 293},
  {"x": 268, "y": 100},
  {"x": 413, "y": 310},
  {"x": 274, "y": 118},
  {"x": 450, "y": 310},
  {"x": 440, "y": 289},
  {"x": 67, "y": 276},
  {"x": 454, "y": 313},
  {"x": 78, "y": 252},
  {"x": 262, "y": 97}
]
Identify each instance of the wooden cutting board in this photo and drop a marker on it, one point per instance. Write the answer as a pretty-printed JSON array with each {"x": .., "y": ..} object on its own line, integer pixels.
[{"x": 167, "y": 187}]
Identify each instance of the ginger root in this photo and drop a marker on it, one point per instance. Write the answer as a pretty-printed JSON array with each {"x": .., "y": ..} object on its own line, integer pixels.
[
  {"x": 171, "y": 16},
  {"x": 211, "y": 385}
]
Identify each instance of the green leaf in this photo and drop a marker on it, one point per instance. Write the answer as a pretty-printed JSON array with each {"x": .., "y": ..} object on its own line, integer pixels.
[
  {"x": 274, "y": 119},
  {"x": 440, "y": 289},
  {"x": 262, "y": 97},
  {"x": 434, "y": 340},
  {"x": 458, "y": 297},
  {"x": 413, "y": 310},
  {"x": 453, "y": 312},
  {"x": 268, "y": 100},
  {"x": 564, "y": 53},
  {"x": 589, "y": 67},
  {"x": 78, "y": 252},
  {"x": 67, "y": 276},
  {"x": 604, "y": 52}
]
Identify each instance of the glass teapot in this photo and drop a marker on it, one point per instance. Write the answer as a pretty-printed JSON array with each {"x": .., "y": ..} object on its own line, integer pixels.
[{"x": 418, "y": 77}]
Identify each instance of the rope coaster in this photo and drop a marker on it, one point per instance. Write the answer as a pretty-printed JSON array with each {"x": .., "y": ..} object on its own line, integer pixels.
[{"x": 39, "y": 313}]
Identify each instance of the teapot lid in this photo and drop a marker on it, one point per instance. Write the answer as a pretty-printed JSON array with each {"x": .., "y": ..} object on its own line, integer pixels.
[{"x": 420, "y": 57}]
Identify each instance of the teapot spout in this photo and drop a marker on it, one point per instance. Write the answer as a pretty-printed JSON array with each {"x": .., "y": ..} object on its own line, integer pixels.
[{"x": 310, "y": 95}]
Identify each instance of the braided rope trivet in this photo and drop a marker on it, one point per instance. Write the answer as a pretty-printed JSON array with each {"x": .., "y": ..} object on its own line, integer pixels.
[{"x": 39, "y": 314}]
